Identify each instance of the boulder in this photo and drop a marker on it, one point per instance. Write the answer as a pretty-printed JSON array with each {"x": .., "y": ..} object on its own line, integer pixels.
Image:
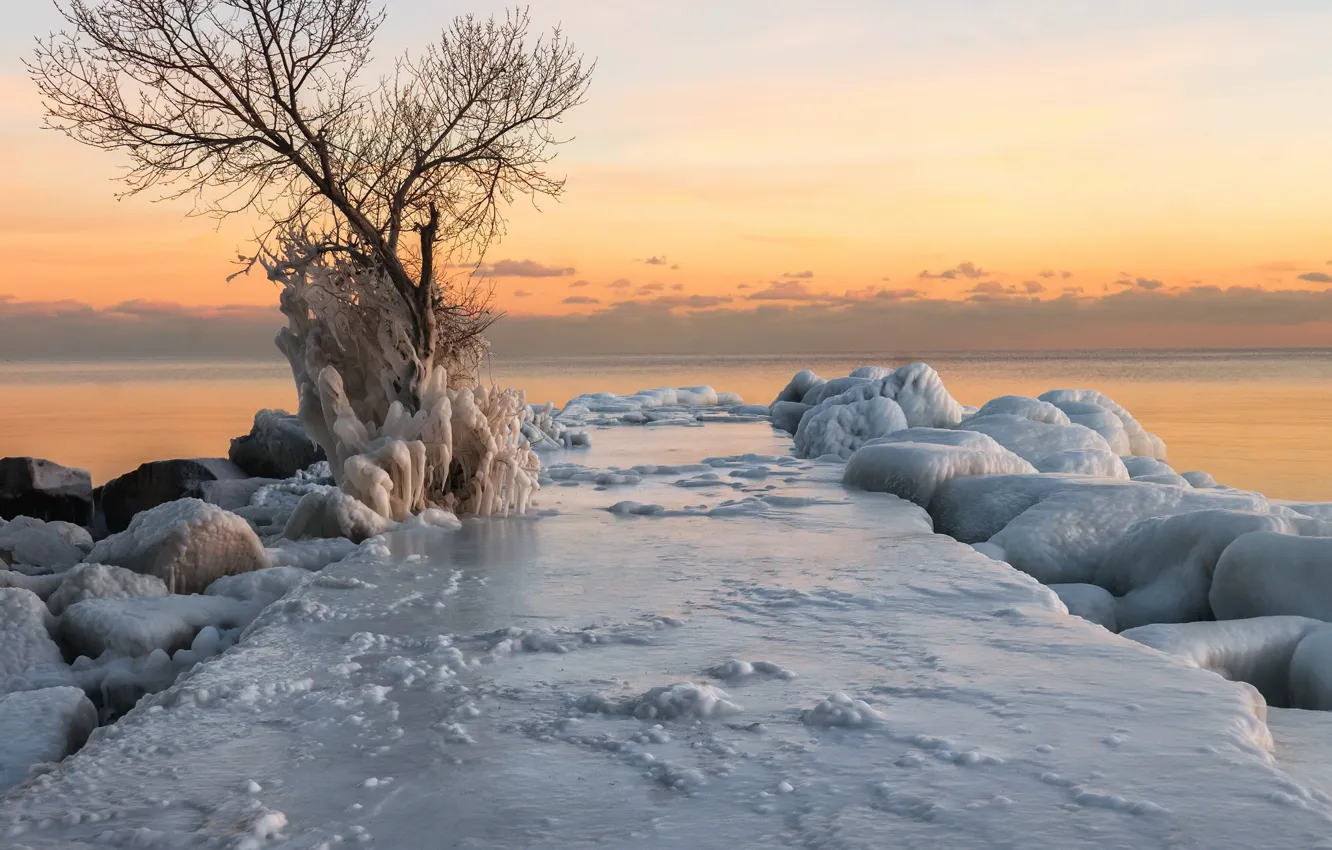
[
  {"x": 137, "y": 626},
  {"x": 25, "y": 640},
  {"x": 188, "y": 544},
  {"x": 102, "y": 581},
  {"x": 38, "y": 488},
  {"x": 33, "y": 546},
  {"x": 276, "y": 447},
  {"x": 37, "y": 727},
  {"x": 158, "y": 482}
]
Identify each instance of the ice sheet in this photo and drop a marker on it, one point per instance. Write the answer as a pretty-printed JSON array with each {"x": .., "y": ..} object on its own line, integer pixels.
[{"x": 457, "y": 696}]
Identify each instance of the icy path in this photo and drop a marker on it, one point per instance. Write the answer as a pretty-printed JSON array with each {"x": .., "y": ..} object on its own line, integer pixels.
[{"x": 481, "y": 692}]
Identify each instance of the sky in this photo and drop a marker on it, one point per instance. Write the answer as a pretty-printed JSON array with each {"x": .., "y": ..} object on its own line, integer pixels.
[{"x": 761, "y": 177}]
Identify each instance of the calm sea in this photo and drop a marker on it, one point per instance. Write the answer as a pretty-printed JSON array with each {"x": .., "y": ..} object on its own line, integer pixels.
[{"x": 1254, "y": 419}]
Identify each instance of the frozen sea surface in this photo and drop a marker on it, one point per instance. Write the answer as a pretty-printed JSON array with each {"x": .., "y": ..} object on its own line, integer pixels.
[{"x": 801, "y": 667}]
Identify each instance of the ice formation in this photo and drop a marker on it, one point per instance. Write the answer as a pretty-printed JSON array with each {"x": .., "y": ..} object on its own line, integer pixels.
[
  {"x": 41, "y": 726},
  {"x": 914, "y": 468},
  {"x": 187, "y": 543},
  {"x": 1267, "y": 572},
  {"x": 102, "y": 581}
]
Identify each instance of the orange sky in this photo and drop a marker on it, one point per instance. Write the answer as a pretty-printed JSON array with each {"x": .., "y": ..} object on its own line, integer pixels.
[{"x": 1182, "y": 148}]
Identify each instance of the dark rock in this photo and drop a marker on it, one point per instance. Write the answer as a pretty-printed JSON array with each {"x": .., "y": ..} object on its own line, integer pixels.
[
  {"x": 30, "y": 486},
  {"x": 157, "y": 483},
  {"x": 276, "y": 447}
]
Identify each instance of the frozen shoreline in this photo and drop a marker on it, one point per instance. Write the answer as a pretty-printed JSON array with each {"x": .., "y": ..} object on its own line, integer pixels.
[{"x": 463, "y": 679}]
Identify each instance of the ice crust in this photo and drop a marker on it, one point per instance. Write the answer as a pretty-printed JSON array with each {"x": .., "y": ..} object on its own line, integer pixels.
[{"x": 41, "y": 726}]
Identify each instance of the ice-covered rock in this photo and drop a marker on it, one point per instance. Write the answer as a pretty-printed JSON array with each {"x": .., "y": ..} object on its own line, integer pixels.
[
  {"x": 332, "y": 513},
  {"x": 916, "y": 388},
  {"x": 1162, "y": 567},
  {"x": 974, "y": 509},
  {"x": 544, "y": 430},
  {"x": 102, "y": 581},
  {"x": 37, "y": 727},
  {"x": 1197, "y": 478},
  {"x": 33, "y": 487},
  {"x": 276, "y": 447},
  {"x": 1102, "y": 421},
  {"x": 1140, "y": 441},
  {"x": 25, "y": 639},
  {"x": 1311, "y": 672},
  {"x": 233, "y": 494},
  {"x": 188, "y": 544},
  {"x": 839, "y": 429},
  {"x": 311, "y": 554},
  {"x": 1063, "y": 538},
  {"x": 1051, "y": 447},
  {"x": 137, "y": 626},
  {"x": 1269, "y": 573},
  {"x": 158, "y": 482},
  {"x": 43, "y": 546},
  {"x": 913, "y": 464},
  {"x": 263, "y": 586},
  {"x": 1092, "y": 603},
  {"x": 799, "y": 386},
  {"x": 1256, "y": 650},
  {"x": 1025, "y": 407},
  {"x": 43, "y": 584},
  {"x": 786, "y": 415}
]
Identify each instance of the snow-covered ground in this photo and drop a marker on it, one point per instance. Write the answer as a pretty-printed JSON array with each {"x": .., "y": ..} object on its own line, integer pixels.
[{"x": 805, "y": 666}]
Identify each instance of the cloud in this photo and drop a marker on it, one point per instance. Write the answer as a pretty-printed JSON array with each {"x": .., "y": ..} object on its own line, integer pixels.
[
  {"x": 655, "y": 261},
  {"x": 581, "y": 299},
  {"x": 677, "y": 287},
  {"x": 521, "y": 293},
  {"x": 675, "y": 267},
  {"x": 1199, "y": 316},
  {"x": 1034, "y": 287},
  {"x": 649, "y": 288},
  {"x": 991, "y": 290},
  {"x": 1196, "y": 316},
  {"x": 970, "y": 271},
  {"x": 692, "y": 301},
  {"x": 743, "y": 286},
  {"x": 806, "y": 275},
  {"x": 785, "y": 290},
  {"x": 1316, "y": 277},
  {"x": 522, "y": 268},
  {"x": 622, "y": 283},
  {"x": 1141, "y": 283},
  {"x": 578, "y": 284}
]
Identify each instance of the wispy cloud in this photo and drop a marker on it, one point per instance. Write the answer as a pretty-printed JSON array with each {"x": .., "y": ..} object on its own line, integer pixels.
[
  {"x": 1317, "y": 277},
  {"x": 805, "y": 275},
  {"x": 968, "y": 271},
  {"x": 578, "y": 284},
  {"x": 581, "y": 299},
  {"x": 523, "y": 268}
]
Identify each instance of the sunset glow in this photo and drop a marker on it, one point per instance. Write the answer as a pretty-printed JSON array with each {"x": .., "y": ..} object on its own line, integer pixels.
[{"x": 727, "y": 160}]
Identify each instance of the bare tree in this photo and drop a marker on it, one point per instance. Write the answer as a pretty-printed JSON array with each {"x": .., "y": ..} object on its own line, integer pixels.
[{"x": 378, "y": 200}]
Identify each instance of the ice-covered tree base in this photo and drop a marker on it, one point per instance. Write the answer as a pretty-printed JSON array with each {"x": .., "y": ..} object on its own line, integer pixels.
[{"x": 400, "y": 436}]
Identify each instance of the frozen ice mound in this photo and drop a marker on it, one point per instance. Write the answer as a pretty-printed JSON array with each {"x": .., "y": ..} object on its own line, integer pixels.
[
  {"x": 658, "y": 406},
  {"x": 683, "y": 699},
  {"x": 1023, "y": 406},
  {"x": 1162, "y": 567},
  {"x": 187, "y": 543},
  {"x": 1257, "y": 650},
  {"x": 1268, "y": 573},
  {"x": 1063, "y": 538},
  {"x": 1090, "y": 602},
  {"x": 263, "y": 586},
  {"x": 36, "y": 546},
  {"x": 137, "y": 626},
  {"x": 25, "y": 639},
  {"x": 1140, "y": 441},
  {"x": 102, "y": 581},
  {"x": 842, "y": 710},
  {"x": 841, "y": 428},
  {"x": 41, "y": 726},
  {"x": 333, "y": 514},
  {"x": 1051, "y": 447},
  {"x": 916, "y": 465}
]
